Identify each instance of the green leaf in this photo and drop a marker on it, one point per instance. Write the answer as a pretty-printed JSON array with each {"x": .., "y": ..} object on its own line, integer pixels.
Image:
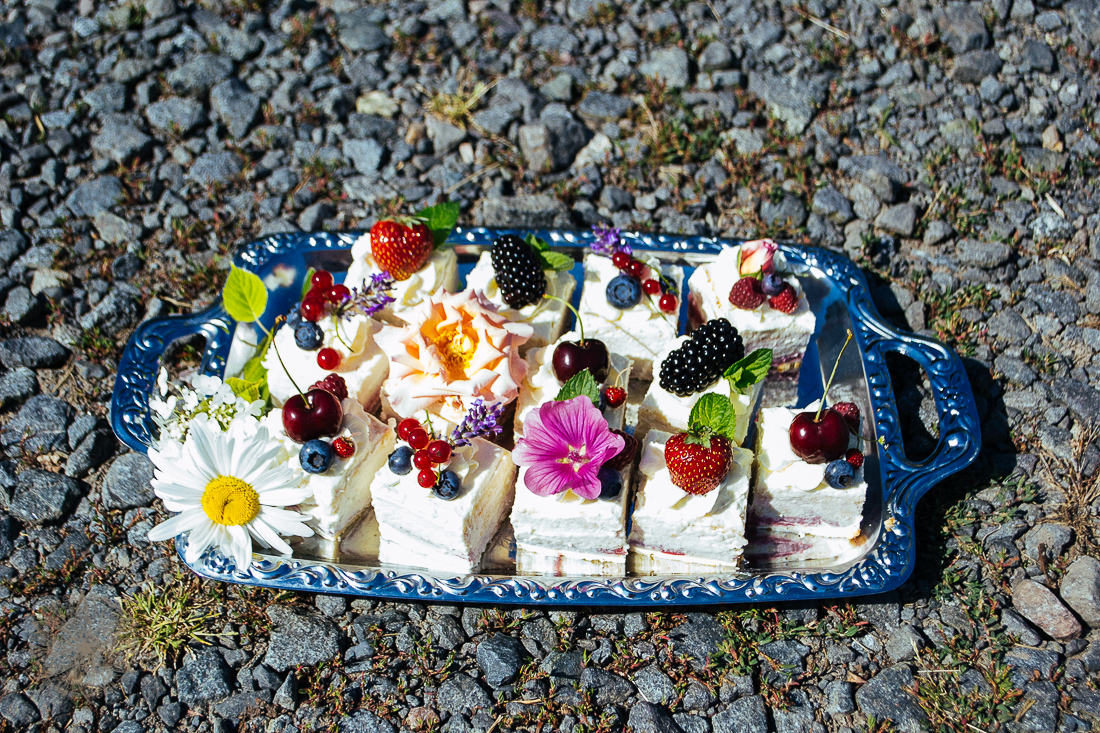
[
  {"x": 441, "y": 219},
  {"x": 307, "y": 283},
  {"x": 254, "y": 370},
  {"x": 556, "y": 261},
  {"x": 244, "y": 295},
  {"x": 581, "y": 383},
  {"x": 250, "y": 391},
  {"x": 748, "y": 371},
  {"x": 539, "y": 245},
  {"x": 714, "y": 412}
]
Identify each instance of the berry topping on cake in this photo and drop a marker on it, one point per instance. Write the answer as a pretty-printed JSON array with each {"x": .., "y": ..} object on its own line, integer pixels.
[
  {"x": 626, "y": 456},
  {"x": 422, "y": 460},
  {"x": 850, "y": 411},
  {"x": 772, "y": 284},
  {"x": 439, "y": 451},
  {"x": 615, "y": 396},
  {"x": 321, "y": 280},
  {"x": 854, "y": 457},
  {"x": 624, "y": 291},
  {"x": 611, "y": 482},
  {"x": 786, "y": 301},
  {"x": 572, "y": 357},
  {"x": 317, "y": 413},
  {"x": 518, "y": 271},
  {"x": 448, "y": 485},
  {"x": 344, "y": 447},
  {"x": 823, "y": 436},
  {"x": 426, "y": 478},
  {"x": 335, "y": 384},
  {"x": 328, "y": 358},
  {"x": 695, "y": 468},
  {"x": 700, "y": 362},
  {"x": 419, "y": 438},
  {"x": 406, "y": 426},
  {"x": 400, "y": 461},
  {"x": 399, "y": 249},
  {"x": 294, "y": 316},
  {"x": 312, "y": 309},
  {"x": 308, "y": 336},
  {"x": 651, "y": 286},
  {"x": 839, "y": 474},
  {"x": 315, "y": 456},
  {"x": 747, "y": 294},
  {"x": 667, "y": 303}
]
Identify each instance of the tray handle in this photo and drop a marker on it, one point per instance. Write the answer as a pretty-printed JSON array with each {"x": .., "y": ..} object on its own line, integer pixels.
[
  {"x": 140, "y": 362},
  {"x": 959, "y": 427}
]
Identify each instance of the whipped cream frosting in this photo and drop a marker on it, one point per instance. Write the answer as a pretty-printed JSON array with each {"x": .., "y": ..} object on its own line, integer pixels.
[
  {"x": 439, "y": 273},
  {"x": 547, "y": 317},
  {"x": 362, "y": 365}
]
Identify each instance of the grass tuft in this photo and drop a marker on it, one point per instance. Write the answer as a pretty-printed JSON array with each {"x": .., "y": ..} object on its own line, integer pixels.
[{"x": 162, "y": 621}]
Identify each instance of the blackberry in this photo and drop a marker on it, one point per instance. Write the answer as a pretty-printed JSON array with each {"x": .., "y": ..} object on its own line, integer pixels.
[
  {"x": 518, "y": 271},
  {"x": 700, "y": 362}
]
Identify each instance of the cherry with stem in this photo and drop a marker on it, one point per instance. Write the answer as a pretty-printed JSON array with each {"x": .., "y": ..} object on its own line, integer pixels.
[{"x": 829, "y": 384}]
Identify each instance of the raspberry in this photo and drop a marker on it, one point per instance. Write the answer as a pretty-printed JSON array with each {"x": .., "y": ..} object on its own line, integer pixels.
[
  {"x": 854, "y": 458},
  {"x": 335, "y": 384},
  {"x": 701, "y": 361},
  {"x": 626, "y": 456},
  {"x": 747, "y": 293},
  {"x": 518, "y": 271},
  {"x": 786, "y": 301},
  {"x": 850, "y": 412},
  {"x": 344, "y": 447}
]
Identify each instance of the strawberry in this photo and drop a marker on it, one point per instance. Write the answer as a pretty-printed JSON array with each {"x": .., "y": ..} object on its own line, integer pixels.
[
  {"x": 854, "y": 457},
  {"x": 786, "y": 301},
  {"x": 399, "y": 249},
  {"x": 626, "y": 456},
  {"x": 335, "y": 384},
  {"x": 747, "y": 293},
  {"x": 615, "y": 396},
  {"x": 696, "y": 465},
  {"x": 344, "y": 447},
  {"x": 850, "y": 412}
]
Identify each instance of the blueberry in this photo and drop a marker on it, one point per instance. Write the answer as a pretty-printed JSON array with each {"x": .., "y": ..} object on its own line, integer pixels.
[
  {"x": 611, "y": 483},
  {"x": 839, "y": 474},
  {"x": 624, "y": 291},
  {"x": 401, "y": 460},
  {"x": 294, "y": 316},
  {"x": 309, "y": 336},
  {"x": 315, "y": 456},
  {"x": 448, "y": 486},
  {"x": 772, "y": 284}
]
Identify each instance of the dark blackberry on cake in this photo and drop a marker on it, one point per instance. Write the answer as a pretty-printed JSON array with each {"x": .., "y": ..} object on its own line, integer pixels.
[
  {"x": 518, "y": 271},
  {"x": 700, "y": 362}
]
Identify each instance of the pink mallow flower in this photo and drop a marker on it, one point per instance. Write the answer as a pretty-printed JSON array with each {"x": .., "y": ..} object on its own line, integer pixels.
[
  {"x": 757, "y": 255},
  {"x": 564, "y": 445}
]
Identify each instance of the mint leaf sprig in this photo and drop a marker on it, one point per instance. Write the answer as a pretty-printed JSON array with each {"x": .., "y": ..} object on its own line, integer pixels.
[
  {"x": 712, "y": 414},
  {"x": 550, "y": 260},
  {"x": 748, "y": 371},
  {"x": 581, "y": 383}
]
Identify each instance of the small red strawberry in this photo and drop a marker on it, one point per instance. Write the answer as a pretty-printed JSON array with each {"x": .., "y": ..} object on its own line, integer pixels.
[
  {"x": 747, "y": 293},
  {"x": 335, "y": 384},
  {"x": 627, "y": 455},
  {"x": 615, "y": 396},
  {"x": 850, "y": 412},
  {"x": 697, "y": 465},
  {"x": 854, "y": 457},
  {"x": 398, "y": 249},
  {"x": 344, "y": 447},
  {"x": 786, "y": 301}
]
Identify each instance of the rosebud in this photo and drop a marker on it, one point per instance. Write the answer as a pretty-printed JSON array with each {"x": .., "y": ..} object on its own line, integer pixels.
[{"x": 757, "y": 255}]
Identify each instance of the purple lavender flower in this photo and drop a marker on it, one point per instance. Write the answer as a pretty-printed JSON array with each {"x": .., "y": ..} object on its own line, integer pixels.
[
  {"x": 479, "y": 420},
  {"x": 372, "y": 298},
  {"x": 608, "y": 240}
]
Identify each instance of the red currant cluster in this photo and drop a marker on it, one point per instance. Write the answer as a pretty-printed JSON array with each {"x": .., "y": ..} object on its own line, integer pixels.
[
  {"x": 322, "y": 295},
  {"x": 428, "y": 453},
  {"x": 652, "y": 285}
]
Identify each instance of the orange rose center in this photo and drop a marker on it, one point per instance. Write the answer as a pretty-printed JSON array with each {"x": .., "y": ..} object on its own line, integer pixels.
[{"x": 456, "y": 351}]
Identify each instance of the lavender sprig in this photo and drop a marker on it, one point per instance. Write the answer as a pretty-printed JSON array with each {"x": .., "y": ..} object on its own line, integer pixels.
[
  {"x": 372, "y": 298},
  {"x": 608, "y": 240},
  {"x": 479, "y": 420}
]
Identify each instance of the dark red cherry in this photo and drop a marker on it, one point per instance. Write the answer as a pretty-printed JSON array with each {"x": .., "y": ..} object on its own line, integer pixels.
[
  {"x": 570, "y": 357},
  {"x": 821, "y": 440},
  {"x": 320, "y": 414}
]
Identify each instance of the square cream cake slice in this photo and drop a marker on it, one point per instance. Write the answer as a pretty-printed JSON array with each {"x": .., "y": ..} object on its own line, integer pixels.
[
  {"x": 439, "y": 273},
  {"x": 639, "y": 333},
  {"x": 547, "y": 317},
  {"x": 417, "y": 528},
  {"x": 675, "y": 532}
]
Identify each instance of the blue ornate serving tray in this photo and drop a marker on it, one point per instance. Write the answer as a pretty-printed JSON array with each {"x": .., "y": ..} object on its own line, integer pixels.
[{"x": 879, "y": 560}]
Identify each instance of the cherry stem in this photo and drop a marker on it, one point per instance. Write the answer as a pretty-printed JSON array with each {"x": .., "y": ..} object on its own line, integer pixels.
[
  {"x": 580, "y": 325},
  {"x": 829, "y": 384},
  {"x": 428, "y": 419},
  {"x": 336, "y": 326},
  {"x": 278, "y": 321}
]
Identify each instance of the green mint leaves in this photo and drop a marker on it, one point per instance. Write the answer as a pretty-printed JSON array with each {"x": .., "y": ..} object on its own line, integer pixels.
[
  {"x": 441, "y": 219},
  {"x": 713, "y": 413},
  {"x": 551, "y": 260},
  {"x": 581, "y": 383},
  {"x": 752, "y": 369},
  {"x": 244, "y": 296}
]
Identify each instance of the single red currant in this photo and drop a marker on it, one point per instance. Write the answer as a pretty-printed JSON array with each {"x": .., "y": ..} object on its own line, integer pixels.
[
  {"x": 667, "y": 303},
  {"x": 344, "y": 447},
  {"x": 615, "y": 396},
  {"x": 321, "y": 280},
  {"x": 418, "y": 438},
  {"x": 328, "y": 358},
  {"x": 620, "y": 260},
  {"x": 312, "y": 309},
  {"x": 337, "y": 294},
  {"x": 651, "y": 286},
  {"x": 439, "y": 450},
  {"x": 421, "y": 459},
  {"x": 406, "y": 426},
  {"x": 426, "y": 478},
  {"x": 636, "y": 268}
]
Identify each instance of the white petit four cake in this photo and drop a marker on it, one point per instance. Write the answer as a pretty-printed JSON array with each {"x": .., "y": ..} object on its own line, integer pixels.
[
  {"x": 786, "y": 333},
  {"x": 362, "y": 364},
  {"x": 341, "y": 493},
  {"x": 661, "y": 409},
  {"x": 419, "y": 528},
  {"x": 793, "y": 497},
  {"x": 673, "y": 531},
  {"x": 547, "y": 317},
  {"x": 439, "y": 273},
  {"x": 639, "y": 332}
]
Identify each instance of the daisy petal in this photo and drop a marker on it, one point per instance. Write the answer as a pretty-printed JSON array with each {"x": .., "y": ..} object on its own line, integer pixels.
[{"x": 182, "y": 522}]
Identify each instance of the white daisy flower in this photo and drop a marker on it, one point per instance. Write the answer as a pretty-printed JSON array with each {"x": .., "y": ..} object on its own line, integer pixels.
[{"x": 228, "y": 491}]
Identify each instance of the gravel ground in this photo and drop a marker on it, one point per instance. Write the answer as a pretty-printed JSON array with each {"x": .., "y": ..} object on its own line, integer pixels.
[{"x": 953, "y": 153}]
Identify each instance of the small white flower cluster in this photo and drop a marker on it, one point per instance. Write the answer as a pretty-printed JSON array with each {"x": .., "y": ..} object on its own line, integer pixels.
[{"x": 175, "y": 406}]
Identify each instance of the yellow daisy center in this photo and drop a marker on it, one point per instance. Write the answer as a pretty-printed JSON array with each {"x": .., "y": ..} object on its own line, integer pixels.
[
  {"x": 456, "y": 351},
  {"x": 230, "y": 502}
]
